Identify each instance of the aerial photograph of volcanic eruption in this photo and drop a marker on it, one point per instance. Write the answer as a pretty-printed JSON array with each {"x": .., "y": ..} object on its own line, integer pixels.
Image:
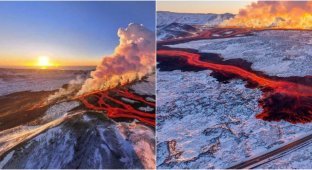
[
  {"x": 77, "y": 85},
  {"x": 234, "y": 84}
]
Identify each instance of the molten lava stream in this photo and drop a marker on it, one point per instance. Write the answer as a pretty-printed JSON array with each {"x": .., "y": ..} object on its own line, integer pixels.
[
  {"x": 281, "y": 99},
  {"x": 116, "y": 108},
  {"x": 135, "y": 97},
  {"x": 279, "y": 86},
  {"x": 208, "y": 34}
]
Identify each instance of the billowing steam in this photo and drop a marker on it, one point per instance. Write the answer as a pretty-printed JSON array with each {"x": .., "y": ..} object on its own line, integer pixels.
[
  {"x": 274, "y": 14},
  {"x": 132, "y": 59}
]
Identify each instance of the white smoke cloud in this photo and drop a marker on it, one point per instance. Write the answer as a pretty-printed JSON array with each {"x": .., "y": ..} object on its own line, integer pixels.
[{"x": 132, "y": 59}]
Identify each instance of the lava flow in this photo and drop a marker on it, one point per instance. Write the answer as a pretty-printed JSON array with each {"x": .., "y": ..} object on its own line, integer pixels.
[
  {"x": 212, "y": 33},
  {"x": 282, "y": 99},
  {"x": 120, "y": 103}
]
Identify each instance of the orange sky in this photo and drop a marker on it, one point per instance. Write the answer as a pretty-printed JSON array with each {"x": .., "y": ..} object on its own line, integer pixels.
[
  {"x": 69, "y": 33},
  {"x": 33, "y": 61}
]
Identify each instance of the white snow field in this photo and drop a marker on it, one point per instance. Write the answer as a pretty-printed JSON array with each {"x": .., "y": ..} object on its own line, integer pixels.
[
  {"x": 299, "y": 159},
  {"x": 208, "y": 124},
  {"x": 15, "y": 80},
  {"x": 77, "y": 139}
]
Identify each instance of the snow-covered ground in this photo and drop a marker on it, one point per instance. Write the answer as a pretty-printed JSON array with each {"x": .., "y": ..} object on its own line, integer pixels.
[
  {"x": 15, "y": 80},
  {"x": 77, "y": 139},
  {"x": 172, "y": 25},
  {"x": 208, "y": 124},
  {"x": 145, "y": 87},
  {"x": 56, "y": 114},
  {"x": 165, "y": 18},
  {"x": 276, "y": 52},
  {"x": 176, "y": 30},
  {"x": 299, "y": 159}
]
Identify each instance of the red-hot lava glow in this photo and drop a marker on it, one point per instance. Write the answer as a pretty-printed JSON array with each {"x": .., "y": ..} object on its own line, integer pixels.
[
  {"x": 288, "y": 88},
  {"x": 207, "y": 34},
  {"x": 281, "y": 99},
  {"x": 115, "y": 107},
  {"x": 132, "y": 59}
]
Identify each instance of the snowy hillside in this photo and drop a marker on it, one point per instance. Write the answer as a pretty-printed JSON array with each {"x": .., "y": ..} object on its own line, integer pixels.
[
  {"x": 175, "y": 30},
  {"x": 166, "y": 18}
]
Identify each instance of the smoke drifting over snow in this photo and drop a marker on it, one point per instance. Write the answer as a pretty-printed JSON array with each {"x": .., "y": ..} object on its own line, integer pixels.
[
  {"x": 72, "y": 88},
  {"x": 132, "y": 59},
  {"x": 274, "y": 14}
]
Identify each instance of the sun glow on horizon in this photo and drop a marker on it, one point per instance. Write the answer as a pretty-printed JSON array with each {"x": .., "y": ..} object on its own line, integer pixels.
[{"x": 44, "y": 62}]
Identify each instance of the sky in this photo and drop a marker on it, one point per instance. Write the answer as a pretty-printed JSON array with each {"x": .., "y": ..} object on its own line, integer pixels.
[
  {"x": 69, "y": 33},
  {"x": 218, "y": 7}
]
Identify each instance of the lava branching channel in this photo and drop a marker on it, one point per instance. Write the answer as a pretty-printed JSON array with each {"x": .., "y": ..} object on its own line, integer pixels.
[
  {"x": 213, "y": 33},
  {"x": 122, "y": 104},
  {"x": 288, "y": 99}
]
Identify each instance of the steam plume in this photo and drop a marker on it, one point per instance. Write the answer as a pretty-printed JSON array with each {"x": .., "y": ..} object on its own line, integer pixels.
[
  {"x": 67, "y": 92},
  {"x": 132, "y": 59},
  {"x": 274, "y": 14}
]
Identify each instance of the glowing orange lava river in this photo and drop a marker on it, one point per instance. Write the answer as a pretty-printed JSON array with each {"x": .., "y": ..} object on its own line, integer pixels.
[
  {"x": 288, "y": 99},
  {"x": 114, "y": 103}
]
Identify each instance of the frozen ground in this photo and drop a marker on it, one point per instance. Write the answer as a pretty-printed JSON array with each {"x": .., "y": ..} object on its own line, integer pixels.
[
  {"x": 85, "y": 141},
  {"x": 176, "y": 30},
  {"x": 203, "y": 123},
  {"x": 77, "y": 139},
  {"x": 165, "y": 18},
  {"x": 277, "y": 53},
  {"x": 299, "y": 159},
  {"x": 172, "y": 25},
  {"x": 145, "y": 87},
  {"x": 17, "y": 80}
]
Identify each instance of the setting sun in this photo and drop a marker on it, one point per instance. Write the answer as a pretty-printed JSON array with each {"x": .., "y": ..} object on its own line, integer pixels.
[{"x": 43, "y": 61}]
